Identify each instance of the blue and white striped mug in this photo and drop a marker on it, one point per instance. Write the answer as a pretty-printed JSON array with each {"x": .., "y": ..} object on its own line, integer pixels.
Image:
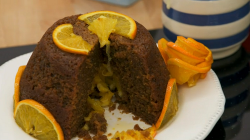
[{"x": 221, "y": 25}]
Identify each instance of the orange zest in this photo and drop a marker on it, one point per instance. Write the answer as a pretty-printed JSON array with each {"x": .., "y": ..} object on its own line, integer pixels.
[
  {"x": 66, "y": 40},
  {"x": 37, "y": 121},
  {"x": 170, "y": 105},
  {"x": 16, "y": 85}
]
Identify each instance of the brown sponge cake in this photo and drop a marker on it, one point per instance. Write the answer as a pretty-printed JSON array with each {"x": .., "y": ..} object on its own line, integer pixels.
[
  {"x": 62, "y": 81},
  {"x": 142, "y": 73}
]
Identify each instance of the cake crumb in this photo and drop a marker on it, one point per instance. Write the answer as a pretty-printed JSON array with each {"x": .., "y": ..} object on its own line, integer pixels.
[
  {"x": 112, "y": 108},
  {"x": 137, "y": 127},
  {"x": 123, "y": 109},
  {"x": 97, "y": 124},
  {"x": 145, "y": 133},
  {"x": 109, "y": 134},
  {"x": 133, "y": 134},
  {"x": 113, "y": 113},
  {"x": 100, "y": 137},
  {"x": 119, "y": 119},
  {"x": 135, "y": 118},
  {"x": 141, "y": 120},
  {"x": 84, "y": 134}
]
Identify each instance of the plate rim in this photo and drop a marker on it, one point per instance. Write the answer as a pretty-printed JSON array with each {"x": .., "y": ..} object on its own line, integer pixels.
[{"x": 220, "y": 110}]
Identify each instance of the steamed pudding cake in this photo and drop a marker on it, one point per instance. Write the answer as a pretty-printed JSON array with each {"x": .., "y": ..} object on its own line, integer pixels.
[{"x": 65, "y": 83}]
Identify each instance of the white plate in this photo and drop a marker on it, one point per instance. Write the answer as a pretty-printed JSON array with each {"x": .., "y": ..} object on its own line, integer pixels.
[{"x": 200, "y": 107}]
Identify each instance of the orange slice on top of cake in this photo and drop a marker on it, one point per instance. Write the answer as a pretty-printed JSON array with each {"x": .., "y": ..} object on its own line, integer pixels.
[
  {"x": 66, "y": 40},
  {"x": 123, "y": 25}
]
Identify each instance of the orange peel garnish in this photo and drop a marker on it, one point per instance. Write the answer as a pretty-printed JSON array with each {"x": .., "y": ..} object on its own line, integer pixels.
[
  {"x": 170, "y": 105},
  {"x": 183, "y": 54},
  {"x": 16, "y": 85},
  {"x": 187, "y": 60},
  {"x": 191, "y": 46},
  {"x": 185, "y": 65},
  {"x": 184, "y": 72},
  {"x": 162, "y": 45}
]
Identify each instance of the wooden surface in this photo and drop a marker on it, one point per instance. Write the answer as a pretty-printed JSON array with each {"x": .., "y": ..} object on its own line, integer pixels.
[{"x": 24, "y": 22}]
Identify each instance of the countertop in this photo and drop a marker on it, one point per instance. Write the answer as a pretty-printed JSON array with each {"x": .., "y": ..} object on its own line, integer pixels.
[{"x": 23, "y": 22}]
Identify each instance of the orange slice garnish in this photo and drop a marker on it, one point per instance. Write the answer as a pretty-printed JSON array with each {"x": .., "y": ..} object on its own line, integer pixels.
[
  {"x": 37, "y": 121},
  {"x": 66, "y": 40},
  {"x": 16, "y": 85},
  {"x": 170, "y": 105},
  {"x": 125, "y": 25}
]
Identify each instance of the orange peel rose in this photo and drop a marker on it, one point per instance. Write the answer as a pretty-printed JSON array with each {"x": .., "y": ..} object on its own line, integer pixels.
[{"x": 187, "y": 60}]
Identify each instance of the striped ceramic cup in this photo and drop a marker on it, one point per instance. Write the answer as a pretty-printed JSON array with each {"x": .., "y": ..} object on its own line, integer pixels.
[{"x": 221, "y": 25}]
